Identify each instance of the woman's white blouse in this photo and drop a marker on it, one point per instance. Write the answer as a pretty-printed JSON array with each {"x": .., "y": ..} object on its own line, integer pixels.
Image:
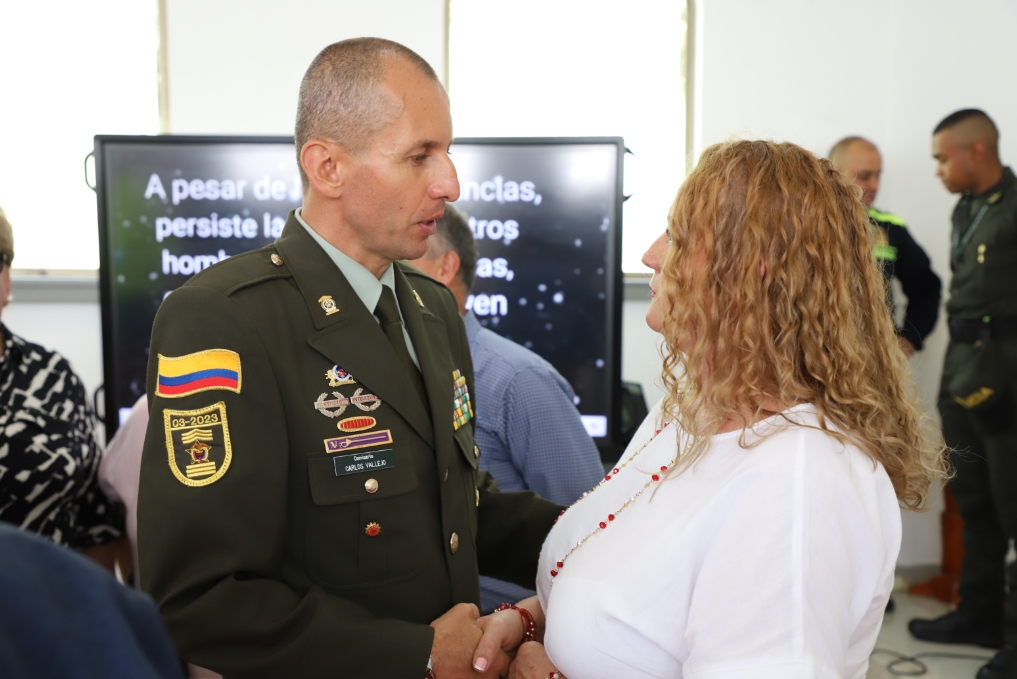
[{"x": 773, "y": 561}]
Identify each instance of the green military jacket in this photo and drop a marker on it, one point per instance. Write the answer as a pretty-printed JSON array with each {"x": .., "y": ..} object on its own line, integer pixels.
[
  {"x": 984, "y": 260},
  {"x": 301, "y": 514}
]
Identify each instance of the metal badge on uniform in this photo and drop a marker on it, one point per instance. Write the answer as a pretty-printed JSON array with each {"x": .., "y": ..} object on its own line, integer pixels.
[
  {"x": 462, "y": 409},
  {"x": 354, "y": 441},
  {"x": 417, "y": 297},
  {"x": 337, "y": 377},
  {"x": 331, "y": 407},
  {"x": 180, "y": 376},
  {"x": 357, "y": 463},
  {"x": 994, "y": 198},
  {"x": 356, "y": 423},
  {"x": 364, "y": 401},
  {"x": 198, "y": 444},
  {"x": 328, "y": 304}
]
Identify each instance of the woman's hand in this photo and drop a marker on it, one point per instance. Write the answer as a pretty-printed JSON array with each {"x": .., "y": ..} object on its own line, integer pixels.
[
  {"x": 504, "y": 631},
  {"x": 531, "y": 662}
]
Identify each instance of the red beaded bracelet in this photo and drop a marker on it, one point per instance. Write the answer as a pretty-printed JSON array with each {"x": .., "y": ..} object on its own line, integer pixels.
[
  {"x": 529, "y": 627},
  {"x": 556, "y": 675}
]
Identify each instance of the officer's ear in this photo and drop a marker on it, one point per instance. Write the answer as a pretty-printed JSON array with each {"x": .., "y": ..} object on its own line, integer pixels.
[
  {"x": 325, "y": 163},
  {"x": 450, "y": 264},
  {"x": 978, "y": 152}
]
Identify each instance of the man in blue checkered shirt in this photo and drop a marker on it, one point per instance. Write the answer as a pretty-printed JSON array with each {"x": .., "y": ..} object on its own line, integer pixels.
[{"x": 528, "y": 430}]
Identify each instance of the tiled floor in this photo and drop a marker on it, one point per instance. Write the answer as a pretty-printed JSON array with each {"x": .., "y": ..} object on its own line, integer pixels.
[{"x": 894, "y": 636}]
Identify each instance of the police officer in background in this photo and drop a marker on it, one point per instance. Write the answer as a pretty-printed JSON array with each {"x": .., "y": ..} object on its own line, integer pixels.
[
  {"x": 310, "y": 504},
  {"x": 896, "y": 251},
  {"x": 978, "y": 392}
]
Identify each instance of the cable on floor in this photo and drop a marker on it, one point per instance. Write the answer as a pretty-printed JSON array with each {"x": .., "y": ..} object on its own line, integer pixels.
[{"x": 899, "y": 665}]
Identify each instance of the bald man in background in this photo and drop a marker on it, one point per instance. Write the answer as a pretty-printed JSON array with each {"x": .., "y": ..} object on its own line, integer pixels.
[
  {"x": 979, "y": 386},
  {"x": 898, "y": 254}
]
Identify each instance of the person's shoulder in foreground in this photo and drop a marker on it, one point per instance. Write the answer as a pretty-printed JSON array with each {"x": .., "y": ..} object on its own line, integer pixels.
[{"x": 64, "y": 616}]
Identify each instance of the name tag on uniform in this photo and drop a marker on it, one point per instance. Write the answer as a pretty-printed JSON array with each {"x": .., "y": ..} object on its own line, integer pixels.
[{"x": 356, "y": 463}]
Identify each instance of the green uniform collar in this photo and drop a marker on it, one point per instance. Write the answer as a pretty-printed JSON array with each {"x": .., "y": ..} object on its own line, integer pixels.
[
  {"x": 1002, "y": 186},
  {"x": 363, "y": 282}
]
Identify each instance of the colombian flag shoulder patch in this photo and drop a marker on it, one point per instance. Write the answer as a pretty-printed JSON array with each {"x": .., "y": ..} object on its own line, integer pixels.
[{"x": 201, "y": 371}]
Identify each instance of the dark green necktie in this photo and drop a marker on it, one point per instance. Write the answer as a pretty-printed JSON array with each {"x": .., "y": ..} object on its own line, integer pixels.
[{"x": 388, "y": 313}]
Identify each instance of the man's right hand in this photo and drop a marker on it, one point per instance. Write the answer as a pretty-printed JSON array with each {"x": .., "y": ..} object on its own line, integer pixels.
[{"x": 456, "y": 636}]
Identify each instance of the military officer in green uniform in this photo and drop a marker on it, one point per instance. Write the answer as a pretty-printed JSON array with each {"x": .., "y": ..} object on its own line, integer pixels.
[
  {"x": 979, "y": 386},
  {"x": 310, "y": 504},
  {"x": 899, "y": 255}
]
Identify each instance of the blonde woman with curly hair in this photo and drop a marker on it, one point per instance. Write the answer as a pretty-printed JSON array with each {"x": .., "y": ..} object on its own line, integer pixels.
[{"x": 752, "y": 526}]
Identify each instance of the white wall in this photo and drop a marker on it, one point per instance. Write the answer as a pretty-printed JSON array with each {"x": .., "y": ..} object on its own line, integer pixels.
[
  {"x": 235, "y": 67},
  {"x": 813, "y": 71}
]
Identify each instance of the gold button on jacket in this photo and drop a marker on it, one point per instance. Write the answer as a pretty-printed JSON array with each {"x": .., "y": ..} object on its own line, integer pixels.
[{"x": 269, "y": 571}]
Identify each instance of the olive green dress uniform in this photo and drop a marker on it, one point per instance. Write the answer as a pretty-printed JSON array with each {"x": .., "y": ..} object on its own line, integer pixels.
[
  {"x": 302, "y": 512},
  {"x": 978, "y": 395}
]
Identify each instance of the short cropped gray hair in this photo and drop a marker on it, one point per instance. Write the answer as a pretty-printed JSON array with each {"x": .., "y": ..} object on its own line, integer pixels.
[
  {"x": 455, "y": 234},
  {"x": 339, "y": 98}
]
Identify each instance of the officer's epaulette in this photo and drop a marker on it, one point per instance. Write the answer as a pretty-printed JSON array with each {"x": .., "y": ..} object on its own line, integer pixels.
[
  {"x": 242, "y": 271},
  {"x": 886, "y": 217}
]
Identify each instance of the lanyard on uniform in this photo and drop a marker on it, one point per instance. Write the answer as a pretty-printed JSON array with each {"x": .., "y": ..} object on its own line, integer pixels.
[{"x": 960, "y": 243}]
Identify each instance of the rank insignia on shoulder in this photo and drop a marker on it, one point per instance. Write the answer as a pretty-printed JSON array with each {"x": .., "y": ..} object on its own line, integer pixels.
[
  {"x": 181, "y": 376},
  {"x": 336, "y": 377},
  {"x": 417, "y": 297},
  {"x": 328, "y": 304},
  {"x": 462, "y": 408},
  {"x": 198, "y": 444}
]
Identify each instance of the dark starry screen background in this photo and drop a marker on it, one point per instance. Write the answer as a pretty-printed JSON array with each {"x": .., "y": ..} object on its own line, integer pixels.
[
  {"x": 136, "y": 279},
  {"x": 562, "y": 262}
]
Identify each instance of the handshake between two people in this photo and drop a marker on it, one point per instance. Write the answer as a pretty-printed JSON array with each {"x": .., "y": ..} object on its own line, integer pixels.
[{"x": 468, "y": 646}]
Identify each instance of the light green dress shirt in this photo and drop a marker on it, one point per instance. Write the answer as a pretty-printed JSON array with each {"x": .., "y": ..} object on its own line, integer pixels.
[{"x": 363, "y": 282}]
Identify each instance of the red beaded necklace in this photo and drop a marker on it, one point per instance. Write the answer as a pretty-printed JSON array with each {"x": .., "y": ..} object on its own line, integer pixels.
[{"x": 654, "y": 478}]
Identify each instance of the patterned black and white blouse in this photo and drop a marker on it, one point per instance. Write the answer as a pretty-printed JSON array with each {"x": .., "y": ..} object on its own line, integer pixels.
[{"x": 49, "y": 453}]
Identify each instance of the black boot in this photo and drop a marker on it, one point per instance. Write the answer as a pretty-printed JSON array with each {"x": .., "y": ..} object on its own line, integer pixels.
[
  {"x": 1002, "y": 666},
  {"x": 957, "y": 628}
]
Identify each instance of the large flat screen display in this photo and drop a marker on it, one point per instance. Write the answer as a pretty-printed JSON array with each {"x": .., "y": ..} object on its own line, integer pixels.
[{"x": 545, "y": 212}]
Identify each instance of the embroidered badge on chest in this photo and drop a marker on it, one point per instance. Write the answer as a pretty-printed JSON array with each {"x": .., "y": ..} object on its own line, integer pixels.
[
  {"x": 337, "y": 377},
  {"x": 462, "y": 409},
  {"x": 198, "y": 444}
]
